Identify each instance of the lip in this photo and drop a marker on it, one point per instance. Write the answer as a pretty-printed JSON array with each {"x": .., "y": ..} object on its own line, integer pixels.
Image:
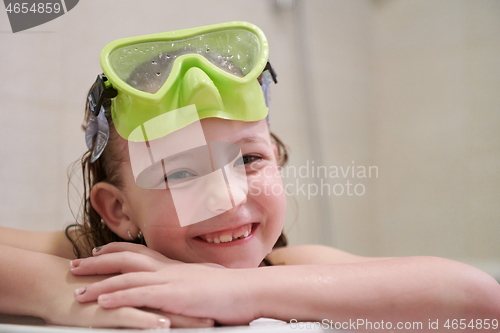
[{"x": 255, "y": 226}]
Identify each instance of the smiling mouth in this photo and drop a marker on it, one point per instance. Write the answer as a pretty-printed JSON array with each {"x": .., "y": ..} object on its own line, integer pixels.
[{"x": 227, "y": 236}]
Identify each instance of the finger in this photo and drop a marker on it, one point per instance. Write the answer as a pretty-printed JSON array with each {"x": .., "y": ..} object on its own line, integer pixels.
[
  {"x": 113, "y": 263},
  {"x": 116, "y": 283},
  {"x": 180, "y": 321},
  {"x": 145, "y": 322},
  {"x": 152, "y": 296},
  {"x": 130, "y": 247},
  {"x": 95, "y": 316},
  {"x": 129, "y": 318}
]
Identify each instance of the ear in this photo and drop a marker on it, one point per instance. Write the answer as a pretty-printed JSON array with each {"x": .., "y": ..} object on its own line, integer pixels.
[
  {"x": 110, "y": 203},
  {"x": 276, "y": 153}
]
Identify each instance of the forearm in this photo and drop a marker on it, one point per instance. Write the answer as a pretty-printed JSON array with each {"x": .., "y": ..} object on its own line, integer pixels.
[
  {"x": 25, "y": 279},
  {"x": 397, "y": 289},
  {"x": 22, "y": 276},
  {"x": 55, "y": 242}
]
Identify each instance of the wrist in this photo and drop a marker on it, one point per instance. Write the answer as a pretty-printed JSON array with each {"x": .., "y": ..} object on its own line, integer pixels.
[{"x": 263, "y": 285}]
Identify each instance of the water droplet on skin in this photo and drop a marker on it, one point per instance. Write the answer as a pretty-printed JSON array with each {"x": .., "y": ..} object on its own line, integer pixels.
[
  {"x": 153, "y": 62},
  {"x": 158, "y": 74},
  {"x": 168, "y": 56}
]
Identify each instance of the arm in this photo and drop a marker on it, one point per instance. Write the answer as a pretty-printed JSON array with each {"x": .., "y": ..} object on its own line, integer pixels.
[
  {"x": 394, "y": 289},
  {"x": 399, "y": 289},
  {"x": 314, "y": 254},
  {"x": 40, "y": 285},
  {"x": 55, "y": 243}
]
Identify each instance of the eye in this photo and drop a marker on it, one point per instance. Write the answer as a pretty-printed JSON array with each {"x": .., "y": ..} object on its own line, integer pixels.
[
  {"x": 247, "y": 159},
  {"x": 179, "y": 176}
]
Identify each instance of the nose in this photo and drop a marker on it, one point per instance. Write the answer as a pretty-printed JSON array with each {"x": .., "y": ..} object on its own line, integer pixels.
[
  {"x": 222, "y": 197},
  {"x": 218, "y": 198},
  {"x": 238, "y": 194},
  {"x": 197, "y": 88}
]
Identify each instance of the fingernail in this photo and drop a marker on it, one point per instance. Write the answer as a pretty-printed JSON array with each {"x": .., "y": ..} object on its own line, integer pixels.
[
  {"x": 80, "y": 291},
  {"x": 163, "y": 323},
  {"x": 102, "y": 299},
  {"x": 74, "y": 263},
  {"x": 96, "y": 249}
]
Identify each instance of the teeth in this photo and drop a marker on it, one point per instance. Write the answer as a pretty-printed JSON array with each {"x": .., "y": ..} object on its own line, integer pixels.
[
  {"x": 226, "y": 238},
  {"x": 238, "y": 234}
]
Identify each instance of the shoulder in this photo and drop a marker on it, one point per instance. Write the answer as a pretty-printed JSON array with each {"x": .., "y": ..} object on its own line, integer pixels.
[{"x": 313, "y": 254}]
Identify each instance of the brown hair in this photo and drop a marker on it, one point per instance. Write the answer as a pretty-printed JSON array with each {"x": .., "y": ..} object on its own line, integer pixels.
[{"x": 91, "y": 231}]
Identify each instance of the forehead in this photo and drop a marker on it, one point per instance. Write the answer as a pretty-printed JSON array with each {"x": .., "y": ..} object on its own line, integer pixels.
[
  {"x": 243, "y": 134},
  {"x": 214, "y": 130},
  {"x": 224, "y": 130}
]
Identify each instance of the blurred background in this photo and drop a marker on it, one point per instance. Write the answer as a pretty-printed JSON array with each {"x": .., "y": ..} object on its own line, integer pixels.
[{"x": 408, "y": 88}]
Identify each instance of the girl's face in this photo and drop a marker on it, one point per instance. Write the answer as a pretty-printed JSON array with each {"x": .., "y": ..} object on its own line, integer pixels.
[{"x": 254, "y": 224}]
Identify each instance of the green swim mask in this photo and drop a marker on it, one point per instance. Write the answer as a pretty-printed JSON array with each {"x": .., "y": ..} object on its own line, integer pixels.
[{"x": 217, "y": 68}]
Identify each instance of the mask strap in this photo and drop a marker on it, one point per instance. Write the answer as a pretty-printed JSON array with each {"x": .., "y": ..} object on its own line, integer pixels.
[
  {"x": 97, "y": 130},
  {"x": 97, "y": 134},
  {"x": 268, "y": 75}
]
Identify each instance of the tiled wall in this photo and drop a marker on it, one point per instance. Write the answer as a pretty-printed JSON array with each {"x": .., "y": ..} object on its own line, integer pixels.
[{"x": 437, "y": 140}]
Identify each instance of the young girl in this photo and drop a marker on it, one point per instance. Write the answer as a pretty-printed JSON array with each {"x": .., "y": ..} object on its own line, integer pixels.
[{"x": 182, "y": 223}]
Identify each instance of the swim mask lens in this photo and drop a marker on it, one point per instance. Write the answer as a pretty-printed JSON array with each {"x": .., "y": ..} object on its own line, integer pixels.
[{"x": 214, "y": 68}]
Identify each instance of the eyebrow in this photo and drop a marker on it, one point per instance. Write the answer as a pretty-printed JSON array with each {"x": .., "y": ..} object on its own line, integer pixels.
[
  {"x": 252, "y": 139},
  {"x": 190, "y": 154}
]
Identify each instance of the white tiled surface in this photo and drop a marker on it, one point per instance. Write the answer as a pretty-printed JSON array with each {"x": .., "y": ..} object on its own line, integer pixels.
[{"x": 262, "y": 325}]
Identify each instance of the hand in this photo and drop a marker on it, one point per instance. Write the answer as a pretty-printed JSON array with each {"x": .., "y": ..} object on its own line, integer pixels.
[
  {"x": 40, "y": 285},
  {"x": 64, "y": 310},
  {"x": 151, "y": 280}
]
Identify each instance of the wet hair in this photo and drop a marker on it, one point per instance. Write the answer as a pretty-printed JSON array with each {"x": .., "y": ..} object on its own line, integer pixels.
[{"x": 90, "y": 230}]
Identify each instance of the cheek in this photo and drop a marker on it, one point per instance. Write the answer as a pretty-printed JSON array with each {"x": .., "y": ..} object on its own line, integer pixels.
[
  {"x": 155, "y": 215},
  {"x": 154, "y": 210},
  {"x": 266, "y": 187},
  {"x": 168, "y": 241}
]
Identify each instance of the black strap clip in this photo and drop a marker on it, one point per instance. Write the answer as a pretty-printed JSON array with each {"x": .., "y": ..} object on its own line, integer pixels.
[
  {"x": 271, "y": 70},
  {"x": 98, "y": 93}
]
